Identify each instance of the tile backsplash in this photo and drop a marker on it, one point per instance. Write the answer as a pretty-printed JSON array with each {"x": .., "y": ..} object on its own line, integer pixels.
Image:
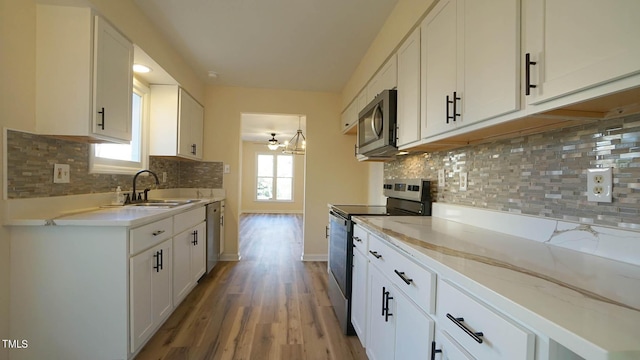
[
  {"x": 30, "y": 161},
  {"x": 542, "y": 175}
]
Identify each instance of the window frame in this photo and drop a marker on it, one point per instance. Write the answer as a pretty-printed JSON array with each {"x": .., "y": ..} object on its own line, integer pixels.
[
  {"x": 274, "y": 178},
  {"x": 99, "y": 165}
]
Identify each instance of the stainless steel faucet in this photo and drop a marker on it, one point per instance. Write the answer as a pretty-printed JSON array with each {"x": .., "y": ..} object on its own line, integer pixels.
[{"x": 135, "y": 177}]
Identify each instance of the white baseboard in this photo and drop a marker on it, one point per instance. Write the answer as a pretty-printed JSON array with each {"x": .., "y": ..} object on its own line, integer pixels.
[
  {"x": 229, "y": 257},
  {"x": 314, "y": 257}
]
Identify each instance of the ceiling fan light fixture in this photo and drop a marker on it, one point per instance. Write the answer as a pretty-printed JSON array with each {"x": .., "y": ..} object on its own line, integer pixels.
[{"x": 273, "y": 144}]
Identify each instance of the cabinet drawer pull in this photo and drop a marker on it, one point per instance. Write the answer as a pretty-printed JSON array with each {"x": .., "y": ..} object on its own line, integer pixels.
[
  {"x": 158, "y": 232},
  {"x": 355, "y": 238},
  {"x": 527, "y": 74},
  {"x": 102, "y": 123},
  {"x": 403, "y": 277},
  {"x": 375, "y": 253},
  {"x": 458, "y": 321},
  {"x": 434, "y": 351}
]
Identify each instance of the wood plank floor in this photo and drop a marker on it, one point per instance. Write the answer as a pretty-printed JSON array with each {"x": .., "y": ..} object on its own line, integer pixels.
[{"x": 269, "y": 305}]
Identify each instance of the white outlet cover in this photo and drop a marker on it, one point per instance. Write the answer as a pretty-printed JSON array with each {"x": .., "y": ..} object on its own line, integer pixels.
[
  {"x": 61, "y": 173},
  {"x": 600, "y": 191},
  {"x": 463, "y": 181},
  {"x": 441, "y": 178},
  {"x": 227, "y": 168}
]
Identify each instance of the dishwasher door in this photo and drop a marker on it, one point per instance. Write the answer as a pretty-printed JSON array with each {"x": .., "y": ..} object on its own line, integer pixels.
[{"x": 213, "y": 234}]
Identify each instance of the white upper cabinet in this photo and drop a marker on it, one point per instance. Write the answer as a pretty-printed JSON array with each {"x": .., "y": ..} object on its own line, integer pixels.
[
  {"x": 386, "y": 78},
  {"x": 84, "y": 77},
  {"x": 439, "y": 68},
  {"x": 470, "y": 63},
  {"x": 576, "y": 45},
  {"x": 177, "y": 121},
  {"x": 409, "y": 90}
]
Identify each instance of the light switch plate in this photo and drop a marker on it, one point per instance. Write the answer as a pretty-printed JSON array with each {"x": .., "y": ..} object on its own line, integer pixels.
[
  {"x": 463, "y": 181},
  {"x": 60, "y": 173},
  {"x": 441, "y": 178},
  {"x": 599, "y": 185}
]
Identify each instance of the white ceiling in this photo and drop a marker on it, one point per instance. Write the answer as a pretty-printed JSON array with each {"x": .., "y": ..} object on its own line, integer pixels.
[
  {"x": 258, "y": 127},
  {"x": 312, "y": 45}
]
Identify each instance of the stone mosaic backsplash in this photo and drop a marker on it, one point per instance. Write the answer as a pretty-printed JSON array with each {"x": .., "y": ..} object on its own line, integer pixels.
[
  {"x": 542, "y": 175},
  {"x": 30, "y": 161}
]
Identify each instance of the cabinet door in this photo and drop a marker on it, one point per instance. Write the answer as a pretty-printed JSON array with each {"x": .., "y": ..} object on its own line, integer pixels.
[
  {"x": 162, "y": 289},
  {"x": 182, "y": 280},
  {"x": 190, "y": 120},
  {"x": 414, "y": 330},
  {"x": 141, "y": 268},
  {"x": 439, "y": 63},
  {"x": 113, "y": 82},
  {"x": 599, "y": 44},
  {"x": 150, "y": 291},
  {"x": 409, "y": 90},
  {"x": 448, "y": 349},
  {"x": 491, "y": 59},
  {"x": 349, "y": 117},
  {"x": 382, "y": 322},
  {"x": 359, "y": 295},
  {"x": 198, "y": 252},
  {"x": 385, "y": 78}
]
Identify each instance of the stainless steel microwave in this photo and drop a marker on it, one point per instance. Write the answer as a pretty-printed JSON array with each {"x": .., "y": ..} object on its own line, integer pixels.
[{"x": 377, "y": 126}]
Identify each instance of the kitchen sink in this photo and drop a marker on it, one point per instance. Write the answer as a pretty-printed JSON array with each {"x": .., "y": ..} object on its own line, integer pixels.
[{"x": 164, "y": 203}]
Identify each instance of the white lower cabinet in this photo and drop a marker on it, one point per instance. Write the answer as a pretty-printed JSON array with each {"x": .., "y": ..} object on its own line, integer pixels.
[
  {"x": 150, "y": 293},
  {"x": 402, "y": 292},
  {"x": 117, "y": 285},
  {"x": 190, "y": 259},
  {"x": 398, "y": 329},
  {"x": 359, "y": 293}
]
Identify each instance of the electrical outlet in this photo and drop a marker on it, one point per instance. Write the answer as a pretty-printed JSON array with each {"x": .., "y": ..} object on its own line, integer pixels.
[
  {"x": 227, "y": 168},
  {"x": 441, "y": 178},
  {"x": 61, "y": 173},
  {"x": 463, "y": 181},
  {"x": 599, "y": 184}
]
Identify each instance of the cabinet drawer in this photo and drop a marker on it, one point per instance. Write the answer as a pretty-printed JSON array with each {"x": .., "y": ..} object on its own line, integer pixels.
[
  {"x": 148, "y": 235},
  {"x": 448, "y": 348},
  {"x": 360, "y": 239},
  {"x": 417, "y": 282},
  {"x": 188, "y": 219},
  {"x": 479, "y": 329}
]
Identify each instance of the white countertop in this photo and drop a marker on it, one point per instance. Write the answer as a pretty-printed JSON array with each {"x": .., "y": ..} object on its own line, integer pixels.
[
  {"x": 113, "y": 216},
  {"x": 589, "y": 304}
]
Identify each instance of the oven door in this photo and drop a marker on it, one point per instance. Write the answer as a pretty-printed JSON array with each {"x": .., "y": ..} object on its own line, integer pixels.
[{"x": 340, "y": 252}]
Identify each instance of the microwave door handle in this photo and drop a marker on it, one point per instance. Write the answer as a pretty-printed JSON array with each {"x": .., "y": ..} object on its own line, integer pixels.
[{"x": 375, "y": 129}]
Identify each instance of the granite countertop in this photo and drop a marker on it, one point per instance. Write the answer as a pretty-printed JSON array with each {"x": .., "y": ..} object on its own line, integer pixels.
[
  {"x": 114, "y": 215},
  {"x": 589, "y": 304}
]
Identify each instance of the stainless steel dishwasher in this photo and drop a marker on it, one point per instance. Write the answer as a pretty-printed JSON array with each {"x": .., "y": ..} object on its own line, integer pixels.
[{"x": 213, "y": 234}]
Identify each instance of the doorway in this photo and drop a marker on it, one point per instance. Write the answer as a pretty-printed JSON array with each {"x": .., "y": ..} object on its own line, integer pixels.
[{"x": 272, "y": 178}]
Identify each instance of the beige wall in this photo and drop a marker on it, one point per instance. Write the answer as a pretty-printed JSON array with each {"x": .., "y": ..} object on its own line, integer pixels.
[
  {"x": 332, "y": 173},
  {"x": 398, "y": 25},
  {"x": 17, "y": 76},
  {"x": 17, "y": 81},
  {"x": 248, "y": 177}
]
